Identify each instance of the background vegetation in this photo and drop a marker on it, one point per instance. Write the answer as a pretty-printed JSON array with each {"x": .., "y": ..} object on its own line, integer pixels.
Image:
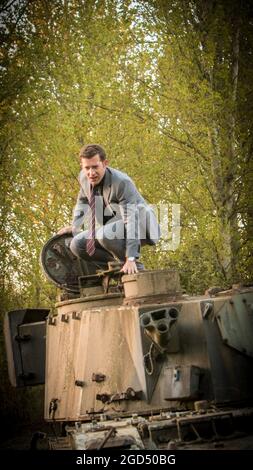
[{"x": 166, "y": 87}]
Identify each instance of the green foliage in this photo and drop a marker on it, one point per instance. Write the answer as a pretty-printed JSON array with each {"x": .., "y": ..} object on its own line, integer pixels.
[
  {"x": 166, "y": 88},
  {"x": 155, "y": 84}
]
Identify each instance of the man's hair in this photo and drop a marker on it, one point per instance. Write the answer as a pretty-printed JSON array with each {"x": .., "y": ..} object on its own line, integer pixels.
[{"x": 90, "y": 150}]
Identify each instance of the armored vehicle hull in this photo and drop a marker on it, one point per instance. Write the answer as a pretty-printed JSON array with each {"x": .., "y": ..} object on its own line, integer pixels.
[
  {"x": 130, "y": 362},
  {"x": 150, "y": 371}
]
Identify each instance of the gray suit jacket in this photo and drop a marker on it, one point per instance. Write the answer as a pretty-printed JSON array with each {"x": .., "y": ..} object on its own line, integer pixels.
[{"x": 121, "y": 201}]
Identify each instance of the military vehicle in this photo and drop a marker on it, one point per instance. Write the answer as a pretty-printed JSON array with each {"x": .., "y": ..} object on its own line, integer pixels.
[{"x": 131, "y": 362}]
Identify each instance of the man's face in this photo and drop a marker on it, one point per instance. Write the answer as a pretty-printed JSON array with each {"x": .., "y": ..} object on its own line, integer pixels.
[{"x": 94, "y": 168}]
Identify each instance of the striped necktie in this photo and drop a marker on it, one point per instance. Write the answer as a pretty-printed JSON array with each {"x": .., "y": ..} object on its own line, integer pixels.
[{"x": 90, "y": 244}]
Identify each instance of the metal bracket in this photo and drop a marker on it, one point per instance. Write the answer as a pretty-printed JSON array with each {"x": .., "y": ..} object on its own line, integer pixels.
[
  {"x": 65, "y": 317},
  {"x": 98, "y": 377},
  {"x": 130, "y": 394},
  {"x": 52, "y": 321},
  {"x": 79, "y": 383},
  {"x": 53, "y": 405},
  {"x": 206, "y": 308},
  {"x": 76, "y": 315},
  {"x": 23, "y": 339}
]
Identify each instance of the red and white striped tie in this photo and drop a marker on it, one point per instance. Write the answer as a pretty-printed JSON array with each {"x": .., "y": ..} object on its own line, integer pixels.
[{"x": 90, "y": 244}]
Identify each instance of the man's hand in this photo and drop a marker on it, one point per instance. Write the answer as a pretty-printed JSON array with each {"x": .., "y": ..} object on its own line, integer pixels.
[
  {"x": 67, "y": 229},
  {"x": 129, "y": 267}
]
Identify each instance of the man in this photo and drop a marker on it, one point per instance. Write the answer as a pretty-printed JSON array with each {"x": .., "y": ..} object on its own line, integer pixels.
[{"x": 120, "y": 220}]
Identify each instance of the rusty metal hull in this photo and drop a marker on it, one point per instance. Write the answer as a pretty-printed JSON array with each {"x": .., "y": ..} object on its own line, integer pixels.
[
  {"x": 101, "y": 361},
  {"x": 134, "y": 364}
]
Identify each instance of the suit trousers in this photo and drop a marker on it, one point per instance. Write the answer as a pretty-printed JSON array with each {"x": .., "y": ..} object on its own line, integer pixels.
[{"x": 110, "y": 244}]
